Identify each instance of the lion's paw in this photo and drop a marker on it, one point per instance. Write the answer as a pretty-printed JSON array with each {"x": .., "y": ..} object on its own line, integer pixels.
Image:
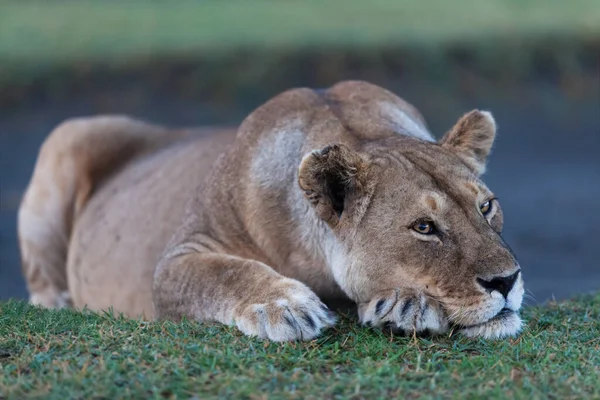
[
  {"x": 297, "y": 315},
  {"x": 404, "y": 311}
]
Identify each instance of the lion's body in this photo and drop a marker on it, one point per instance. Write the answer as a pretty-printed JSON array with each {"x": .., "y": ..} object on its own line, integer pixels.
[
  {"x": 102, "y": 253},
  {"x": 119, "y": 237},
  {"x": 214, "y": 226}
]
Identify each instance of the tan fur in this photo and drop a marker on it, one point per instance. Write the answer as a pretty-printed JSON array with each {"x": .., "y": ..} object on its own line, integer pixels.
[{"x": 313, "y": 200}]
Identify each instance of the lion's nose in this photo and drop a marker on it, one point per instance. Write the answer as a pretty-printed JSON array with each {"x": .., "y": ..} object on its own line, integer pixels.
[{"x": 501, "y": 284}]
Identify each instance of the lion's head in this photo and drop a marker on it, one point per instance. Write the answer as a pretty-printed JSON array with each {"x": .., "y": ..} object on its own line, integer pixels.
[{"x": 409, "y": 211}]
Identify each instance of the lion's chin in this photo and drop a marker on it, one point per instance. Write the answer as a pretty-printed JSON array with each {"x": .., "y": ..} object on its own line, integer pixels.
[{"x": 507, "y": 323}]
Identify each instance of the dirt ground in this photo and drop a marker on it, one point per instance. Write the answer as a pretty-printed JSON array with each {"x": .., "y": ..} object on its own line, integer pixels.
[{"x": 545, "y": 168}]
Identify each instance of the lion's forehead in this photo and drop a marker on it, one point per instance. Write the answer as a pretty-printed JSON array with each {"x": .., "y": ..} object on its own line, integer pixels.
[
  {"x": 463, "y": 191},
  {"x": 435, "y": 185}
]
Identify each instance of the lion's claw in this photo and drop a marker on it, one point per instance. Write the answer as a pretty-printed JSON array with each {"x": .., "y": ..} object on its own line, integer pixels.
[{"x": 404, "y": 311}]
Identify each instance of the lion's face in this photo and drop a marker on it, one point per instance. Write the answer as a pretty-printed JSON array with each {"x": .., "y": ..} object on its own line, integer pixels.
[
  {"x": 416, "y": 214},
  {"x": 438, "y": 228}
]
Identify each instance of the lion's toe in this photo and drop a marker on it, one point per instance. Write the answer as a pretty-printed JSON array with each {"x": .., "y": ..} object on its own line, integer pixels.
[
  {"x": 286, "y": 319},
  {"x": 405, "y": 312}
]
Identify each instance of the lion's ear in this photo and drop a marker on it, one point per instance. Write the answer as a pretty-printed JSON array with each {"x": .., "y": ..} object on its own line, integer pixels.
[
  {"x": 472, "y": 138},
  {"x": 329, "y": 177}
]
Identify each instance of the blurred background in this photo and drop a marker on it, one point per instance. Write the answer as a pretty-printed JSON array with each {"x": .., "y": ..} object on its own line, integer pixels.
[{"x": 533, "y": 63}]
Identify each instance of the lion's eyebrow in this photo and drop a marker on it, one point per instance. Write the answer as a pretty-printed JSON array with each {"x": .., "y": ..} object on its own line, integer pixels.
[
  {"x": 431, "y": 203},
  {"x": 433, "y": 200},
  {"x": 473, "y": 188}
]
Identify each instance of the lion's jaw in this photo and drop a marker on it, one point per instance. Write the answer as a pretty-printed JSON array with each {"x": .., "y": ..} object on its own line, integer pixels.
[{"x": 495, "y": 317}]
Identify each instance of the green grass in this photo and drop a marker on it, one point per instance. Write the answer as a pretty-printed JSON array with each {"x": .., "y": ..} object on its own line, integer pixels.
[
  {"x": 66, "y": 30},
  {"x": 68, "y": 354}
]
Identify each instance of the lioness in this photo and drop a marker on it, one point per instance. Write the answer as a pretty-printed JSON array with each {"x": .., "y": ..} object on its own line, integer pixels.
[{"x": 319, "y": 195}]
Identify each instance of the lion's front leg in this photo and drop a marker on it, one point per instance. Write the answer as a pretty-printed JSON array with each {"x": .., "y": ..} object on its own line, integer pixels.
[
  {"x": 404, "y": 311},
  {"x": 240, "y": 292}
]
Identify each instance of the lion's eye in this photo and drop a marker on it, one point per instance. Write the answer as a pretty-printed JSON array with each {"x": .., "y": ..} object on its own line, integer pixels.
[
  {"x": 486, "y": 207},
  {"x": 423, "y": 227}
]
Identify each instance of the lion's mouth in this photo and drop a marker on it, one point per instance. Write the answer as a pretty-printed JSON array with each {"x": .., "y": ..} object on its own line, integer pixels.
[
  {"x": 506, "y": 323},
  {"x": 502, "y": 314}
]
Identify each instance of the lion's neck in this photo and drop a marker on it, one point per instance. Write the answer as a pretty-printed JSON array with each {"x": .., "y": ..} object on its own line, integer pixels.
[{"x": 321, "y": 254}]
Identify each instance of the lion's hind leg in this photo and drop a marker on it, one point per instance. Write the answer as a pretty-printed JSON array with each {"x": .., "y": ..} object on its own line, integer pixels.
[{"x": 75, "y": 157}]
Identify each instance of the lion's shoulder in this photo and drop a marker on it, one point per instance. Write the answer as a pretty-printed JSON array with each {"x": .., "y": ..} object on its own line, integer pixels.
[{"x": 354, "y": 110}]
